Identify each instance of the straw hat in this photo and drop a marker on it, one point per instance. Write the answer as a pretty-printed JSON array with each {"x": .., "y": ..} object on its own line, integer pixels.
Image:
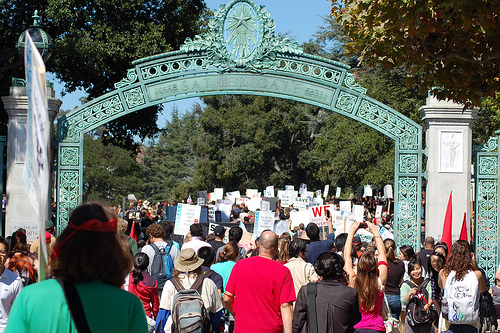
[{"x": 187, "y": 260}]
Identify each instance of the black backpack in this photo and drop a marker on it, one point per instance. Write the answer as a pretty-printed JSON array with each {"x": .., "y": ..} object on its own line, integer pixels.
[
  {"x": 487, "y": 313},
  {"x": 162, "y": 266},
  {"x": 415, "y": 309}
]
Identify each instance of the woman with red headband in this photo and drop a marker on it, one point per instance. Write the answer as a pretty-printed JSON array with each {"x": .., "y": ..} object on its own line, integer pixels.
[{"x": 89, "y": 266}]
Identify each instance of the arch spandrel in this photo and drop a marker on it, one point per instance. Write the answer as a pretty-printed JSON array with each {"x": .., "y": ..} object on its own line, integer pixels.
[{"x": 219, "y": 62}]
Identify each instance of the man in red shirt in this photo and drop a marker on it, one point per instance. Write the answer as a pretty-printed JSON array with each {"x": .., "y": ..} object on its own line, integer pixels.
[{"x": 260, "y": 291}]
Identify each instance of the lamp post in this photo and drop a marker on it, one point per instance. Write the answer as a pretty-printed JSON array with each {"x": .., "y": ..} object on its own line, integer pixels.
[{"x": 42, "y": 40}]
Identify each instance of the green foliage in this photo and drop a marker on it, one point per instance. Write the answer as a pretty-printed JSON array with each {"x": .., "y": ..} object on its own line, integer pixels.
[
  {"x": 487, "y": 121},
  {"x": 109, "y": 173}
]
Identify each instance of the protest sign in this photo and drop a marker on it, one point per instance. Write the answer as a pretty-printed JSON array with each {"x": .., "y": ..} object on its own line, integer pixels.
[
  {"x": 225, "y": 207},
  {"x": 326, "y": 190},
  {"x": 254, "y": 204},
  {"x": 203, "y": 194},
  {"x": 211, "y": 213},
  {"x": 252, "y": 193},
  {"x": 273, "y": 202},
  {"x": 378, "y": 212},
  {"x": 265, "y": 206},
  {"x": 309, "y": 195},
  {"x": 339, "y": 222},
  {"x": 132, "y": 198},
  {"x": 232, "y": 195},
  {"x": 368, "y": 191},
  {"x": 338, "y": 192},
  {"x": 301, "y": 203},
  {"x": 186, "y": 215},
  {"x": 318, "y": 215},
  {"x": 385, "y": 234},
  {"x": 218, "y": 194},
  {"x": 240, "y": 201},
  {"x": 269, "y": 192},
  {"x": 242, "y": 226},
  {"x": 280, "y": 227},
  {"x": 345, "y": 206},
  {"x": 318, "y": 201},
  {"x": 388, "y": 191},
  {"x": 263, "y": 221},
  {"x": 359, "y": 213},
  {"x": 286, "y": 201},
  {"x": 201, "y": 201},
  {"x": 318, "y": 194},
  {"x": 211, "y": 228},
  {"x": 211, "y": 197},
  {"x": 298, "y": 218},
  {"x": 289, "y": 188},
  {"x": 302, "y": 189},
  {"x": 365, "y": 235},
  {"x": 247, "y": 241}
]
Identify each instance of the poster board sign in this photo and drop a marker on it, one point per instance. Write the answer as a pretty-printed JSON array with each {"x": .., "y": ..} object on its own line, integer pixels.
[
  {"x": 365, "y": 235},
  {"x": 388, "y": 192},
  {"x": 302, "y": 189},
  {"x": 301, "y": 203},
  {"x": 247, "y": 241},
  {"x": 218, "y": 194},
  {"x": 240, "y": 201},
  {"x": 286, "y": 200},
  {"x": 368, "y": 191},
  {"x": 254, "y": 204},
  {"x": 337, "y": 194},
  {"x": 201, "y": 201},
  {"x": 132, "y": 198},
  {"x": 289, "y": 188},
  {"x": 345, "y": 206},
  {"x": 224, "y": 206},
  {"x": 359, "y": 213},
  {"x": 185, "y": 216},
  {"x": 211, "y": 228},
  {"x": 269, "y": 193},
  {"x": 263, "y": 221},
  {"x": 318, "y": 215},
  {"x": 265, "y": 206},
  {"x": 378, "y": 212},
  {"x": 280, "y": 227},
  {"x": 298, "y": 218},
  {"x": 318, "y": 202},
  {"x": 338, "y": 222},
  {"x": 211, "y": 213},
  {"x": 242, "y": 226},
  {"x": 385, "y": 234},
  {"x": 318, "y": 194},
  {"x": 273, "y": 202},
  {"x": 203, "y": 194},
  {"x": 252, "y": 193},
  {"x": 232, "y": 195},
  {"x": 326, "y": 190}
]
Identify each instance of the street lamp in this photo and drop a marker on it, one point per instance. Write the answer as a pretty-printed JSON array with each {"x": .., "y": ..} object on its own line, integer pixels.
[{"x": 42, "y": 40}]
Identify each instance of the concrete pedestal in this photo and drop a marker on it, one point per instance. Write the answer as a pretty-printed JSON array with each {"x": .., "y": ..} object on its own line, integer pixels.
[
  {"x": 19, "y": 210},
  {"x": 449, "y": 150}
]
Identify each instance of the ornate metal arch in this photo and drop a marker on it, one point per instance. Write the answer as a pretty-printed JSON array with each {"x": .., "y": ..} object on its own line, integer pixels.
[{"x": 241, "y": 54}]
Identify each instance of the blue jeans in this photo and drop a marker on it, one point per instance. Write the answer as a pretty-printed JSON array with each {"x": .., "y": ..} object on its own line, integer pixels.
[
  {"x": 394, "y": 302},
  {"x": 464, "y": 328}
]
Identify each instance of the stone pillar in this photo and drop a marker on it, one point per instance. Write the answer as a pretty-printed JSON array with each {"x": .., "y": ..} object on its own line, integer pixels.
[
  {"x": 19, "y": 210},
  {"x": 449, "y": 151}
]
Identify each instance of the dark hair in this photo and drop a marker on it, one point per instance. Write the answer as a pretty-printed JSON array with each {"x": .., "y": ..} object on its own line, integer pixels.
[
  {"x": 390, "y": 250},
  {"x": 88, "y": 255},
  {"x": 331, "y": 267},
  {"x": 4, "y": 242},
  {"x": 141, "y": 263},
  {"x": 434, "y": 275},
  {"x": 196, "y": 230},
  {"x": 19, "y": 241},
  {"x": 312, "y": 231},
  {"x": 340, "y": 242},
  {"x": 460, "y": 260},
  {"x": 296, "y": 246},
  {"x": 155, "y": 230},
  {"x": 206, "y": 253},
  {"x": 414, "y": 261},
  {"x": 167, "y": 228},
  {"x": 442, "y": 245},
  {"x": 407, "y": 251},
  {"x": 235, "y": 234},
  {"x": 229, "y": 253}
]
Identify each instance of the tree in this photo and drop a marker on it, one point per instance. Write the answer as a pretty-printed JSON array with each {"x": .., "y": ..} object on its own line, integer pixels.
[
  {"x": 109, "y": 173},
  {"x": 452, "y": 45}
]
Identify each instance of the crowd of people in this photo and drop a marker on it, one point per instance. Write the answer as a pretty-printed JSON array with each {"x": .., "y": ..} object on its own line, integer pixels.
[{"x": 100, "y": 279}]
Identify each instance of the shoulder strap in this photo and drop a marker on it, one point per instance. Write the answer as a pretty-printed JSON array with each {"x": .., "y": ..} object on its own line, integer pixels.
[
  {"x": 177, "y": 284},
  {"x": 168, "y": 248},
  {"x": 410, "y": 283},
  {"x": 75, "y": 306},
  {"x": 198, "y": 282},
  {"x": 424, "y": 284},
  {"x": 155, "y": 247},
  {"x": 311, "y": 304},
  {"x": 209, "y": 273}
]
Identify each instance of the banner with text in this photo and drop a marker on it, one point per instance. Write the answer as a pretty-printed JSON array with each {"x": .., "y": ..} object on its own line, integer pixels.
[{"x": 186, "y": 215}]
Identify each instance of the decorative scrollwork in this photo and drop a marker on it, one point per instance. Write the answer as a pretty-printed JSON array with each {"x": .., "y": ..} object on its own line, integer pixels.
[
  {"x": 69, "y": 188},
  {"x": 70, "y": 156},
  {"x": 131, "y": 78},
  {"x": 346, "y": 102},
  {"x": 490, "y": 146},
  {"x": 408, "y": 163},
  {"x": 134, "y": 97},
  {"x": 350, "y": 82},
  {"x": 407, "y": 227},
  {"x": 488, "y": 165}
]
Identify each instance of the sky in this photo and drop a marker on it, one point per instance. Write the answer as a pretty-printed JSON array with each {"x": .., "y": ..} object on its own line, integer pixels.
[{"x": 300, "y": 19}]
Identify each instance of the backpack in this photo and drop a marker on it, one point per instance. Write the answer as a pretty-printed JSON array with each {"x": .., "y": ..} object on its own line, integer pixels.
[
  {"x": 460, "y": 304},
  {"x": 487, "y": 313},
  {"x": 415, "y": 309},
  {"x": 21, "y": 264},
  {"x": 162, "y": 266},
  {"x": 189, "y": 314}
]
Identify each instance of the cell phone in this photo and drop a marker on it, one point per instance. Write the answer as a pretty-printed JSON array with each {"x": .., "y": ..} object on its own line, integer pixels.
[
  {"x": 328, "y": 213},
  {"x": 363, "y": 225}
]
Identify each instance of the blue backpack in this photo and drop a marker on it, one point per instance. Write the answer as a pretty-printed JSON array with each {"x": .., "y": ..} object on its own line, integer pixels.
[{"x": 162, "y": 266}]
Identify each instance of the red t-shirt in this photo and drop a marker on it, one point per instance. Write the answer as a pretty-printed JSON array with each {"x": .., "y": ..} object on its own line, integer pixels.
[{"x": 260, "y": 286}]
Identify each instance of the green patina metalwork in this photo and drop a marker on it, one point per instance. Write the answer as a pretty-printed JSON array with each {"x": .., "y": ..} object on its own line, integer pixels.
[
  {"x": 241, "y": 54},
  {"x": 487, "y": 197}
]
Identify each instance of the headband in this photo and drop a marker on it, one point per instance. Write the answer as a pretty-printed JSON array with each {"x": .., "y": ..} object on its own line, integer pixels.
[{"x": 90, "y": 225}]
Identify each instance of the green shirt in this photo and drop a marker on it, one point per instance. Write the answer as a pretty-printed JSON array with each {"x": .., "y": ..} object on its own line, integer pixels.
[
  {"x": 41, "y": 307},
  {"x": 405, "y": 289}
]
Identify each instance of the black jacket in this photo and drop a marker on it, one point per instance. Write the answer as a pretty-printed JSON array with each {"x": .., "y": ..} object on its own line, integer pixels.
[{"x": 337, "y": 308}]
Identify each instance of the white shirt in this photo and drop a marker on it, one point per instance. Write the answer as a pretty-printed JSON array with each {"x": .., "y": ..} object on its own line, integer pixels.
[
  {"x": 195, "y": 243},
  {"x": 10, "y": 287},
  {"x": 148, "y": 249}
]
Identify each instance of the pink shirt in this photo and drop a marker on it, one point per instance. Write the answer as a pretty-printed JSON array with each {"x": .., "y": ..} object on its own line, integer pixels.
[
  {"x": 259, "y": 286},
  {"x": 373, "y": 320}
]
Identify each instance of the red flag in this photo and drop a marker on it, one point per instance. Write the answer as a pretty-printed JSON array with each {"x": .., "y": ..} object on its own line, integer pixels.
[
  {"x": 447, "y": 227},
  {"x": 132, "y": 232},
  {"x": 463, "y": 233}
]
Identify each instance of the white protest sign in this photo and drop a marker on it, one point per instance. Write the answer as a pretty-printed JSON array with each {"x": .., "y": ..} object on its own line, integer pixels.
[
  {"x": 247, "y": 241},
  {"x": 378, "y": 212},
  {"x": 309, "y": 195},
  {"x": 211, "y": 213},
  {"x": 339, "y": 224},
  {"x": 298, "y": 218},
  {"x": 252, "y": 193},
  {"x": 269, "y": 192},
  {"x": 318, "y": 201},
  {"x": 265, "y": 206},
  {"x": 326, "y": 190},
  {"x": 301, "y": 203},
  {"x": 359, "y": 213},
  {"x": 201, "y": 201},
  {"x": 368, "y": 191},
  {"x": 232, "y": 195},
  {"x": 132, "y": 198},
  {"x": 286, "y": 200},
  {"x": 345, "y": 206},
  {"x": 225, "y": 207},
  {"x": 211, "y": 228},
  {"x": 388, "y": 192},
  {"x": 186, "y": 215},
  {"x": 254, "y": 204},
  {"x": 365, "y": 235},
  {"x": 280, "y": 227},
  {"x": 303, "y": 188},
  {"x": 289, "y": 188},
  {"x": 281, "y": 193},
  {"x": 240, "y": 201},
  {"x": 263, "y": 221},
  {"x": 318, "y": 215},
  {"x": 338, "y": 192},
  {"x": 218, "y": 194},
  {"x": 385, "y": 234},
  {"x": 242, "y": 226},
  {"x": 211, "y": 196}
]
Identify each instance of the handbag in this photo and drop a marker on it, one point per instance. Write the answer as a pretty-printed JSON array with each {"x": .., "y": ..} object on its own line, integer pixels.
[{"x": 391, "y": 324}]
